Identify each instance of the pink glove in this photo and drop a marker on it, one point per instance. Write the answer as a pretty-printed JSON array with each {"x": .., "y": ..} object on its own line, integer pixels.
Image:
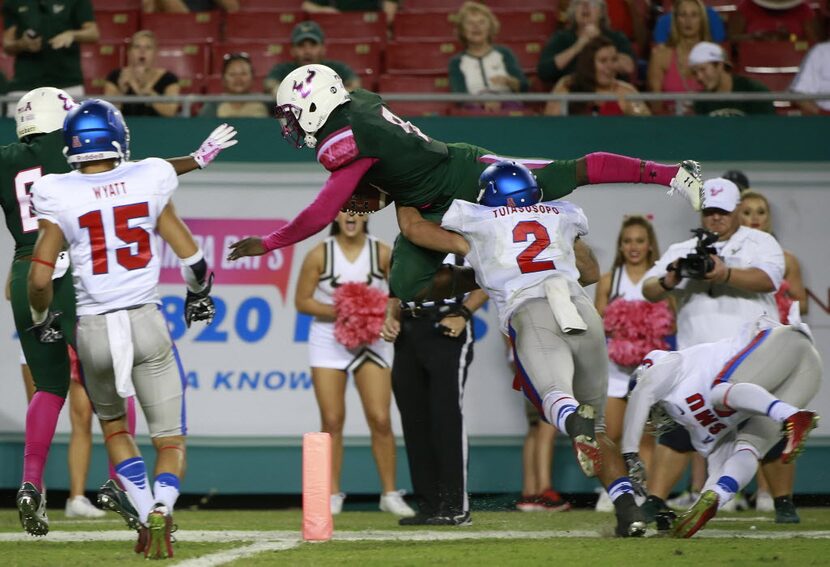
[{"x": 222, "y": 137}]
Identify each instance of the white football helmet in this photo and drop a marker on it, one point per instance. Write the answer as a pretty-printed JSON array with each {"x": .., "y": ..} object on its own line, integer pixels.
[
  {"x": 41, "y": 111},
  {"x": 305, "y": 99}
]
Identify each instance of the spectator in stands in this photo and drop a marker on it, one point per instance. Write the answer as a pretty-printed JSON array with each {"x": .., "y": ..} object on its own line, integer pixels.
[
  {"x": 711, "y": 68},
  {"x": 184, "y": 6},
  {"x": 237, "y": 79},
  {"x": 140, "y": 77},
  {"x": 668, "y": 69},
  {"x": 308, "y": 46},
  {"x": 46, "y": 44},
  {"x": 631, "y": 18},
  {"x": 774, "y": 20},
  {"x": 587, "y": 19},
  {"x": 814, "y": 77},
  {"x": 389, "y": 7},
  {"x": 663, "y": 27},
  {"x": 596, "y": 72},
  {"x": 483, "y": 67},
  {"x": 737, "y": 177}
]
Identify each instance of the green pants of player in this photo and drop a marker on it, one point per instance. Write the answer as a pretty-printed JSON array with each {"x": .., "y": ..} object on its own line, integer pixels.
[
  {"x": 413, "y": 267},
  {"x": 49, "y": 363}
]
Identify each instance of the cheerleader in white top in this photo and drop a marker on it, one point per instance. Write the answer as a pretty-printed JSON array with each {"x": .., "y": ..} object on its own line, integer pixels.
[
  {"x": 338, "y": 344},
  {"x": 634, "y": 326}
]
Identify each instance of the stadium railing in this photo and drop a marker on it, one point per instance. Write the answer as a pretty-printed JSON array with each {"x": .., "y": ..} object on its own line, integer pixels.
[{"x": 188, "y": 101}]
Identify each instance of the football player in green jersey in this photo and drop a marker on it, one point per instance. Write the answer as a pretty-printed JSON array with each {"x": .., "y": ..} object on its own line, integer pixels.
[
  {"x": 366, "y": 146},
  {"x": 39, "y": 115}
]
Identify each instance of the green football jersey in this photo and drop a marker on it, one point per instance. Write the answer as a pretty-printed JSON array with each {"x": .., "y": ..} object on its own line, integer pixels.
[
  {"x": 21, "y": 164},
  {"x": 411, "y": 164}
]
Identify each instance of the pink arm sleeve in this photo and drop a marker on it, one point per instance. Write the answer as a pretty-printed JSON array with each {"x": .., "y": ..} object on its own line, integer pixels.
[
  {"x": 332, "y": 197},
  {"x": 612, "y": 168}
]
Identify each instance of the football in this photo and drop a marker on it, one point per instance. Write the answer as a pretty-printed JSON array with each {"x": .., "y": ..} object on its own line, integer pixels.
[{"x": 365, "y": 200}]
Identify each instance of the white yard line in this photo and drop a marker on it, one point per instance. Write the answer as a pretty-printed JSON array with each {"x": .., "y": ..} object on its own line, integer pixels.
[
  {"x": 229, "y": 555},
  {"x": 226, "y": 536}
]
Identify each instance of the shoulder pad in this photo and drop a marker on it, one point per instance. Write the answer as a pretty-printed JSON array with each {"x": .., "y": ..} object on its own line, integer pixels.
[{"x": 338, "y": 150}]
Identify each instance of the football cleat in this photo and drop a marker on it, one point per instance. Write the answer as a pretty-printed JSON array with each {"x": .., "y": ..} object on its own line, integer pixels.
[
  {"x": 688, "y": 183},
  {"x": 31, "y": 506},
  {"x": 582, "y": 431},
  {"x": 785, "y": 512},
  {"x": 111, "y": 497},
  {"x": 796, "y": 429},
  {"x": 630, "y": 519},
  {"x": 160, "y": 526},
  {"x": 693, "y": 519}
]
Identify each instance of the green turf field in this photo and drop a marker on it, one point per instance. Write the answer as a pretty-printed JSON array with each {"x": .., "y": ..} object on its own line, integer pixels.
[{"x": 245, "y": 538}]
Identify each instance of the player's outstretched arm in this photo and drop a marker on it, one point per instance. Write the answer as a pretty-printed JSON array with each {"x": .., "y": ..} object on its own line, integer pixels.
[
  {"x": 427, "y": 234},
  {"x": 314, "y": 218},
  {"x": 49, "y": 243},
  {"x": 224, "y": 136}
]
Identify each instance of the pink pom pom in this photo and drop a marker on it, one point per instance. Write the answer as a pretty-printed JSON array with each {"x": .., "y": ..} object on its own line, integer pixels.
[
  {"x": 635, "y": 328},
  {"x": 360, "y": 311},
  {"x": 783, "y": 301}
]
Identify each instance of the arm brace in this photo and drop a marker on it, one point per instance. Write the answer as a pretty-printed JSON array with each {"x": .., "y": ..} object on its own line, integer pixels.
[{"x": 604, "y": 167}]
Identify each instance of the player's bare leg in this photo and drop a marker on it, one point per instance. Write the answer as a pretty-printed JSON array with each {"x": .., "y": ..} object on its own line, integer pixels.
[
  {"x": 374, "y": 384},
  {"x": 330, "y": 391}
]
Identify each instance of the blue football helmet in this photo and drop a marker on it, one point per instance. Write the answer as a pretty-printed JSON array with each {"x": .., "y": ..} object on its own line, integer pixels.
[
  {"x": 95, "y": 130},
  {"x": 508, "y": 184}
]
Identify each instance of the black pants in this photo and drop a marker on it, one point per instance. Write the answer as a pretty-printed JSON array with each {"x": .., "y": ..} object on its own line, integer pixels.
[{"x": 428, "y": 378}]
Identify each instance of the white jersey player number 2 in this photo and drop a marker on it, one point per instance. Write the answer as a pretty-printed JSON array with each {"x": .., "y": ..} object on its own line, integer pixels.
[
  {"x": 122, "y": 215},
  {"x": 527, "y": 258}
]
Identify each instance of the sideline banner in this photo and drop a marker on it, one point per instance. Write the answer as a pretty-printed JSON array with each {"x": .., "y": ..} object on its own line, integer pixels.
[{"x": 247, "y": 372}]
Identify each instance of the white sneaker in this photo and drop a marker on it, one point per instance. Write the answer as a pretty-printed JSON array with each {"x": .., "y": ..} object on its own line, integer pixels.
[
  {"x": 604, "y": 503},
  {"x": 683, "y": 501},
  {"x": 81, "y": 507},
  {"x": 764, "y": 502},
  {"x": 393, "y": 502},
  {"x": 337, "y": 503},
  {"x": 687, "y": 181},
  {"x": 731, "y": 506}
]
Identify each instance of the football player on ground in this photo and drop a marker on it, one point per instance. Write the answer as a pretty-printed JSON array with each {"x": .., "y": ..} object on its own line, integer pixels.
[
  {"x": 40, "y": 115},
  {"x": 529, "y": 257},
  {"x": 368, "y": 148},
  {"x": 112, "y": 214},
  {"x": 734, "y": 397}
]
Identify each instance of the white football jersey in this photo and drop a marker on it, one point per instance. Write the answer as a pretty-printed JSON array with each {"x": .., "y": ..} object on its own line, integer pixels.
[
  {"x": 109, "y": 220},
  {"x": 514, "y": 250},
  {"x": 681, "y": 382}
]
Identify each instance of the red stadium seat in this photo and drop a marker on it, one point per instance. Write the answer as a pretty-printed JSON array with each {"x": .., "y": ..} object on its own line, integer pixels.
[
  {"x": 263, "y": 55},
  {"x": 187, "y": 61},
  {"x": 117, "y": 26},
  {"x": 410, "y": 26},
  {"x": 527, "y": 52},
  {"x": 274, "y": 27},
  {"x": 271, "y": 5},
  {"x": 7, "y": 64},
  {"x": 526, "y": 25},
  {"x": 352, "y": 25},
  {"x": 428, "y": 57},
  {"x": 414, "y": 83},
  {"x": 772, "y": 63},
  {"x": 495, "y": 5},
  {"x": 115, "y": 5},
  {"x": 97, "y": 61},
  {"x": 363, "y": 58},
  {"x": 196, "y": 27}
]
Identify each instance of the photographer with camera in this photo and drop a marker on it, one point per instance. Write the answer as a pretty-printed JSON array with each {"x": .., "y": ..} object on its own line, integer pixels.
[{"x": 722, "y": 278}]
